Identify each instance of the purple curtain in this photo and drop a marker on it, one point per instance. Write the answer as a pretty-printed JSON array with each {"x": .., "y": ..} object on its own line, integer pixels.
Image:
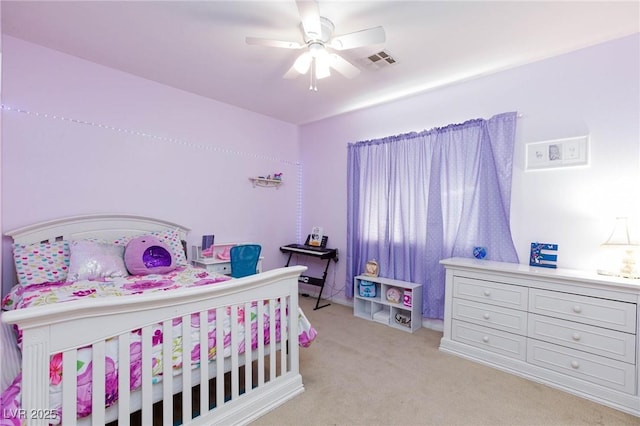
[{"x": 417, "y": 198}]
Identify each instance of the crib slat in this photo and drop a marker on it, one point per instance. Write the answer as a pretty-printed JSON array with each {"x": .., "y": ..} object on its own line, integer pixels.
[
  {"x": 235, "y": 337},
  {"x": 272, "y": 339},
  {"x": 285, "y": 317},
  {"x": 97, "y": 384},
  {"x": 124, "y": 378},
  {"x": 260, "y": 319},
  {"x": 147, "y": 397},
  {"x": 220, "y": 315},
  {"x": 186, "y": 369},
  {"x": 167, "y": 372},
  {"x": 248, "y": 371},
  {"x": 69, "y": 387},
  {"x": 204, "y": 362}
]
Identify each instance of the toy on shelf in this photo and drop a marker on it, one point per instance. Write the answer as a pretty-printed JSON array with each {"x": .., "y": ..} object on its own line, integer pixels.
[
  {"x": 394, "y": 295},
  {"x": 407, "y": 298},
  {"x": 371, "y": 268},
  {"x": 367, "y": 289}
]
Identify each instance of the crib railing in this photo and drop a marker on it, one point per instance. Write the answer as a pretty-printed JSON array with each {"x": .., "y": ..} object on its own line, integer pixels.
[{"x": 231, "y": 387}]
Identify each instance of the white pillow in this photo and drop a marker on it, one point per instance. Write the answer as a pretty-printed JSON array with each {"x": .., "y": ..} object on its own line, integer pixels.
[{"x": 90, "y": 260}]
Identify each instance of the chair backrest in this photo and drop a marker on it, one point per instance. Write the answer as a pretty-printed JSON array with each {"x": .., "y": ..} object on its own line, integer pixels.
[{"x": 244, "y": 259}]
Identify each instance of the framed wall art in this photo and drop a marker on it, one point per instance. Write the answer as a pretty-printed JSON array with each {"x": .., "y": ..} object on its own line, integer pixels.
[{"x": 557, "y": 153}]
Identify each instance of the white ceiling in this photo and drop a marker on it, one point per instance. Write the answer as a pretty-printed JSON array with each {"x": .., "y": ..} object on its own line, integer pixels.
[{"x": 199, "y": 46}]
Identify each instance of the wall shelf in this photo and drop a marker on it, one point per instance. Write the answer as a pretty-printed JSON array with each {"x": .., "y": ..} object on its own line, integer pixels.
[{"x": 258, "y": 181}]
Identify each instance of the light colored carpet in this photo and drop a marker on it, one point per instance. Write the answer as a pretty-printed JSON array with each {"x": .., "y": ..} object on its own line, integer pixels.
[{"x": 359, "y": 372}]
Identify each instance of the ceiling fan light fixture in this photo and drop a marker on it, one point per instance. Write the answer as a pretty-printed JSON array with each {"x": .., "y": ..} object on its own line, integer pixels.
[
  {"x": 303, "y": 63},
  {"x": 322, "y": 69}
]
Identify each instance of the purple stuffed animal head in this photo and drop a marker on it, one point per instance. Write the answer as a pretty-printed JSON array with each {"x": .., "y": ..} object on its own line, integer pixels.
[{"x": 148, "y": 255}]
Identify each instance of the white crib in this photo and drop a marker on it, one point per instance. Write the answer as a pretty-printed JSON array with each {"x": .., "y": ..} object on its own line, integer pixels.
[{"x": 240, "y": 389}]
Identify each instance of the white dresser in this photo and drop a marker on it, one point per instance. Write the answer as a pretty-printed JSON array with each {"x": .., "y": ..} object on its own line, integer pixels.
[{"x": 573, "y": 330}]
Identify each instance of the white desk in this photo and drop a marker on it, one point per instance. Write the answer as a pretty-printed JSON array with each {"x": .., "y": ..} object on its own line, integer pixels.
[{"x": 215, "y": 264}]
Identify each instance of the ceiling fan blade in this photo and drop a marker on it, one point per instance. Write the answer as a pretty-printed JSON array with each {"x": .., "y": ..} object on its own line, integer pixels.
[
  {"x": 310, "y": 17},
  {"x": 366, "y": 37},
  {"x": 291, "y": 73},
  {"x": 274, "y": 43},
  {"x": 343, "y": 66}
]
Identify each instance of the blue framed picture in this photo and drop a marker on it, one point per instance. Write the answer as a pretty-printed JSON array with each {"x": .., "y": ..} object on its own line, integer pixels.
[{"x": 543, "y": 255}]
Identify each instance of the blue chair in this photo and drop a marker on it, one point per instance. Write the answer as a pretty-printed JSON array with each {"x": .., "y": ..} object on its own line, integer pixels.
[{"x": 244, "y": 259}]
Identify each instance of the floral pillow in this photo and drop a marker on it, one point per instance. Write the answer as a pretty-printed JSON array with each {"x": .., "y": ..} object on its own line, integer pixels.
[
  {"x": 90, "y": 260},
  {"x": 172, "y": 239},
  {"x": 41, "y": 262}
]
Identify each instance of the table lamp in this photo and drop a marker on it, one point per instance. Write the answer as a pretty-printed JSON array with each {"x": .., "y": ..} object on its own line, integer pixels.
[{"x": 622, "y": 252}]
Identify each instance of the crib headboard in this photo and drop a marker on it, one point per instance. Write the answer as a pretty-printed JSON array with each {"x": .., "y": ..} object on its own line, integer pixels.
[{"x": 103, "y": 226}]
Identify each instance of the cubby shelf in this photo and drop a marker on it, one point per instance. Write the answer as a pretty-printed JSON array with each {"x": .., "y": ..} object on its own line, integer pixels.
[{"x": 406, "y": 317}]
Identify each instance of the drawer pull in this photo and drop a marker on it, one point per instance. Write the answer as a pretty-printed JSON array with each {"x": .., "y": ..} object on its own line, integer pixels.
[
  {"x": 575, "y": 364},
  {"x": 577, "y": 309},
  {"x": 486, "y": 316},
  {"x": 576, "y": 336},
  {"x": 485, "y": 339},
  {"x": 487, "y": 293}
]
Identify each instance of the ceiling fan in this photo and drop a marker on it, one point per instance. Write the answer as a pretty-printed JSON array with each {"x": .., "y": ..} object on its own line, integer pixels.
[{"x": 317, "y": 32}]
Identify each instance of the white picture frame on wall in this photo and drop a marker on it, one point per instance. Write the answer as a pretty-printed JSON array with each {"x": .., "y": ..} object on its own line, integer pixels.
[{"x": 558, "y": 153}]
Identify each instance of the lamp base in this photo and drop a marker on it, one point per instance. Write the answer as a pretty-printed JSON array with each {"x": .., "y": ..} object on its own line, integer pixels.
[{"x": 618, "y": 274}]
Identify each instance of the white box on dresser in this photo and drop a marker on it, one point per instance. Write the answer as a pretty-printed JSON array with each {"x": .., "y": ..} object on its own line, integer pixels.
[{"x": 573, "y": 330}]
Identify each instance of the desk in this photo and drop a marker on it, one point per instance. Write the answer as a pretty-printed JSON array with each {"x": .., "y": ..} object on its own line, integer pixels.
[
  {"x": 215, "y": 264},
  {"x": 221, "y": 266},
  {"x": 318, "y": 253}
]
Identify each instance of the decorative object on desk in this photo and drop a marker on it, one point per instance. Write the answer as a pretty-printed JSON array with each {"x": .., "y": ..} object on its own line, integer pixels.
[
  {"x": 148, "y": 255},
  {"x": 407, "y": 298},
  {"x": 316, "y": 236},
  {"x": 225, "y": 254},
  {"x": 394, "y": 295},
  {"x": 620, "y": 255},
  {"x": 207, "y": 246},
  {"x": 367, "y": 289},
  {"x": 403, "y": 319},
  {"x": 479, "y": 252},
  {"x": 541, "y": 257},
  {"x": 557, "y": 153},
  {"x": 371, "y": 268},
  {"x": 277, "y": 176}
]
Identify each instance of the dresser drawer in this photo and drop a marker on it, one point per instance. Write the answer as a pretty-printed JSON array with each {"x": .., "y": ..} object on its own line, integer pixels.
[
  {"x": 606, "y": 313},
  {"x": 508, "y": 296},
  {"x": 492, "y": 316},
  {"x": 588, "y": 338},
  {"x": 588, "y": 367},
  {"x": 500, "y": 342}
]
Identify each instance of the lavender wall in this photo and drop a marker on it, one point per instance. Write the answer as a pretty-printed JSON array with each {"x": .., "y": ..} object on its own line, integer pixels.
[
  {"x": 164, "y": 153},
  {"x": 594, "y": 91}
]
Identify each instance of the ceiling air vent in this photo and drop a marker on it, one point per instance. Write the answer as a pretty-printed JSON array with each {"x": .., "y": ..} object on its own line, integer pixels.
[{"x": 379, "y": 60}]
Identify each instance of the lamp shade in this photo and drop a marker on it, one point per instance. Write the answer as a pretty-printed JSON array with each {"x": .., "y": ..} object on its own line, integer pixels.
[
  {"x": 619, "y": 257},
  {"x": 620, "y": 234}
]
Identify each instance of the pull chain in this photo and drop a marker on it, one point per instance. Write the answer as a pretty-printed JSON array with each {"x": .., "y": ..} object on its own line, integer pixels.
[{"x": 312, "y": 76}]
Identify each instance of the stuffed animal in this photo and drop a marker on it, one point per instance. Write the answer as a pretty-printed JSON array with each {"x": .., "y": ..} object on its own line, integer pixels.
[{"x": 148, "y": 255}]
